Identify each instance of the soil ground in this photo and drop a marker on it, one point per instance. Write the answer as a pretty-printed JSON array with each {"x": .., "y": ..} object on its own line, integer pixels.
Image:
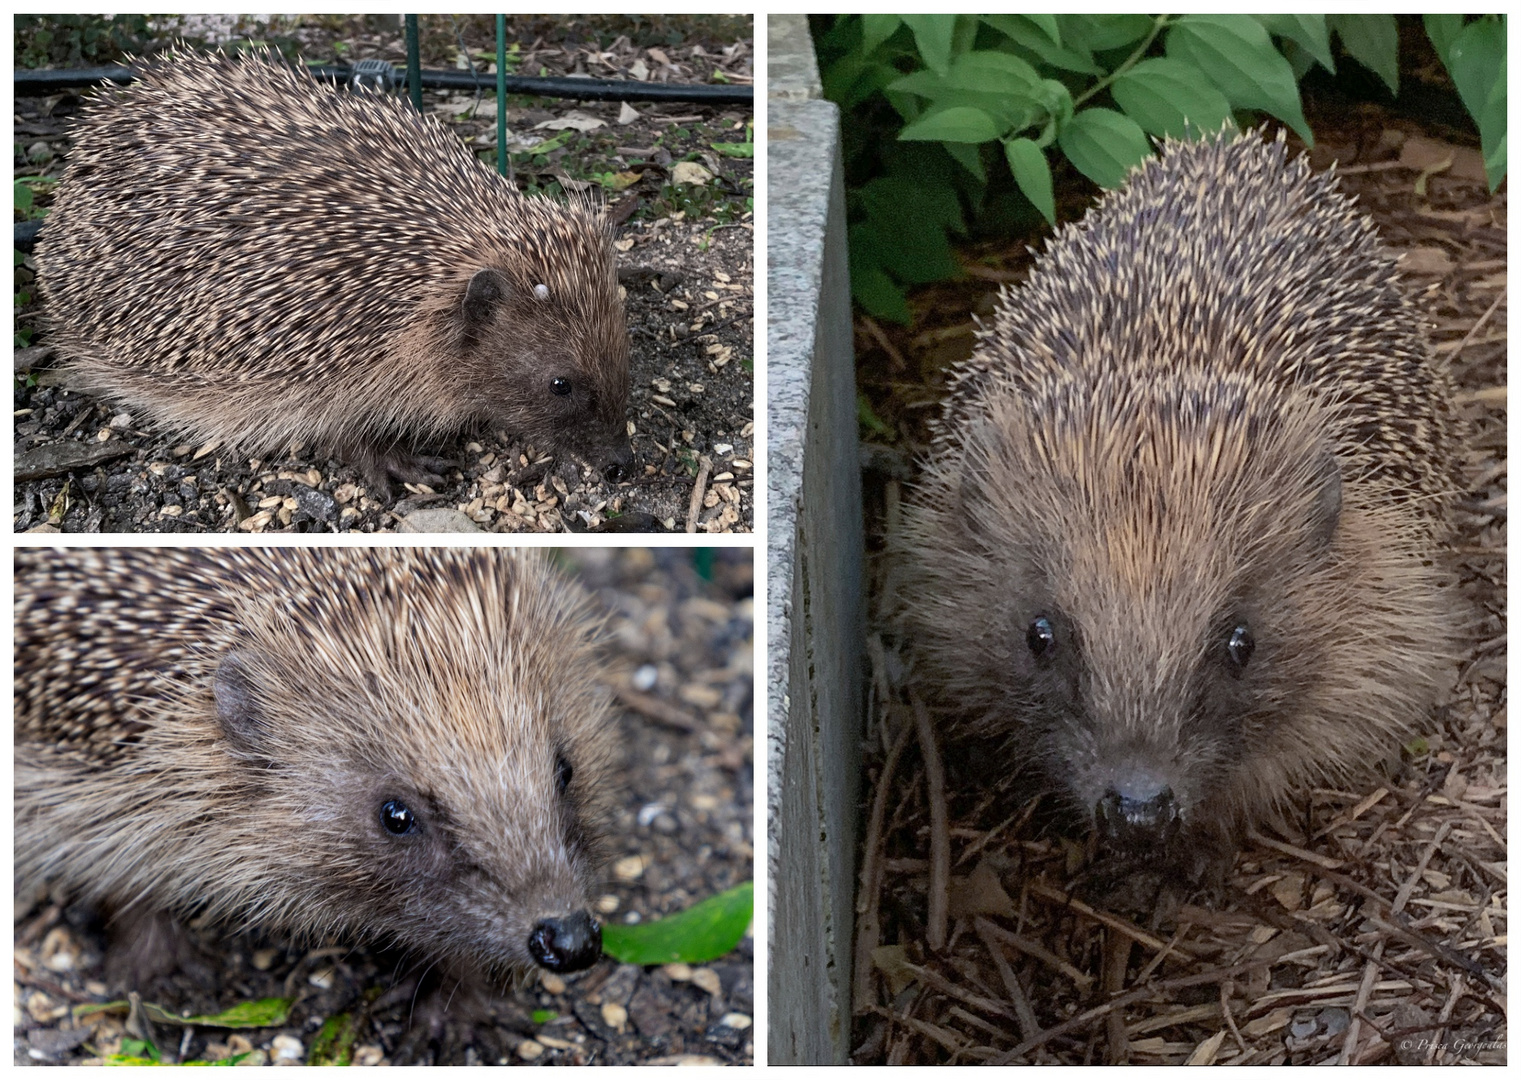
[
  {"x": 680, "y": 661},
  {"x": 1375, "y": 934},
  {"x": 686, "y": 258}
]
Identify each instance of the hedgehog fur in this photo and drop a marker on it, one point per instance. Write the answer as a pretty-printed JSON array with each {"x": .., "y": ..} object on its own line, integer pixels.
[
  {"x": 1177, "y": 543},
  {"x": 406, "y": 746},
  {"x": 244, "y": 255}
]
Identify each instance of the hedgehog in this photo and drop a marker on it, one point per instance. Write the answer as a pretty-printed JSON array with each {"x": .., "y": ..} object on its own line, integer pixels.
[
  {"x": 1177, "y": 547},
  {"x": 408, "y": 747},
  {"x": 254, "y": 259}
]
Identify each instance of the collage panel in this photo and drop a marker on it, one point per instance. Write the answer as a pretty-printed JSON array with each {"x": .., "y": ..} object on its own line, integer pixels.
[
  {"x": 280, "y": 800},
  {"x": 436, "y": 805},
  {"x": 1137, "y": 679},
  {"x": 259, "y": 295}
]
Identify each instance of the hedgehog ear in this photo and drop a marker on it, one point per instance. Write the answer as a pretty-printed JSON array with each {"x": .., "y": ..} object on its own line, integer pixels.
[
  {"x": 1326, "y": 511},
  {"x": 483, "y": 296},
  {"x": 239, "y": 705}
]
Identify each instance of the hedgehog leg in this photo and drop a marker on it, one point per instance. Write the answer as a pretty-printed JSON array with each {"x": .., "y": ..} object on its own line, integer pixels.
[
  {"x": 147, "y": 944},
  {"x": 381, "y": 465}
]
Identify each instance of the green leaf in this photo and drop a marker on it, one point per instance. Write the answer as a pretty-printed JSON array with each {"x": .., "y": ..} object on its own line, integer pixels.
[
  {"x": 1022, "y": 31},
  {"x": 1492, "y": 135},
  {"x": 993, "y": 73},
  {"x": 877, "y": 294},
  {"x": 1476, "y": 60},
  {"x": 1099, "y": 33},
  {"x": 1307, "y": 31},
  {"x": 1169, "y": 97},
  {"x": 1104, "y": 145},
  {"x": 1047, "y": 25},
  {"x": 735, "y": 149},
  {"x": 139, "y": 1048},
  {"x": 265, "y": 1012},
  {"x": 1032, "y": 172},
  {"x": 543, "y": 1016},
  {"x": 875, "y": 29},
  {"x": 1443, "y": 30},
  {"x": 903, "y": 226},
  {"x": 334, "y": 1042},
  {"x": 1236, "y": 54},
  {"x": 959, "y": 123},
  {"x": 867, "y": 417},
  {"x": 933, "y": 33},
  {"x": 969, "y": 157},
  {"x": 703, "y": 932},
  {"x": 1009, "y": 109},
  {"x": 1373, "y": 41},
  {"x": 23, "y": 197}
]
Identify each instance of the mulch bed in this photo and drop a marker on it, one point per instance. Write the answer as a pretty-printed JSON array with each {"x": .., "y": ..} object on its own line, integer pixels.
[{"x": 1374, "y": 935}]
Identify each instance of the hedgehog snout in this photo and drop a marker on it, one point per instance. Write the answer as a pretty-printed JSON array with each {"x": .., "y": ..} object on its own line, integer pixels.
[
  {"x": 617, "y": 464},
  {"x": 569, "y": 943},
  {"x": 1137, "y": 818}
]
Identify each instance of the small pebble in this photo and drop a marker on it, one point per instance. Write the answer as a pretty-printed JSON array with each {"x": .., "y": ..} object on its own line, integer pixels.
[
  {"x": 615, "y": 1016},
  {"x": 645, "y": 677},
  {"x": 551, "y": 983},
  {"x": 707, "y": 979},
  {"x": 629, "y": 868},
  {"x": 529, "y": 1050},
  {"x": 678, "y": 972},
  {"x": 606, "y": 904},
  {"x": 369, "y": 1055},
  {"x": 287, "y": 1050},
  {"x": 739, "y": 1021}
]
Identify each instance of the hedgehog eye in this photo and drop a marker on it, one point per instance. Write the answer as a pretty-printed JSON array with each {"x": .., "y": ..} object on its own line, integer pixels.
[
  {"x": 1240, "y": 647},
  {"x": 559, "y": 385},
  {"x": 563, "y": 773},
  {"x": 397, "y": 818},
  {"x": 1041, "y": 637}
]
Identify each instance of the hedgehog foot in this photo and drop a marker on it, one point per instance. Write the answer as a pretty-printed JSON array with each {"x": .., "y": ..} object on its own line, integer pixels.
[
  {"x": 380, "y": 467},
  {"x": 147, "y": 945}
]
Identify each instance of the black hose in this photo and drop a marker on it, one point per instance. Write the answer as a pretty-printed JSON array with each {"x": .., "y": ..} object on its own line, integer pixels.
[{"x": 39, "y": 82}]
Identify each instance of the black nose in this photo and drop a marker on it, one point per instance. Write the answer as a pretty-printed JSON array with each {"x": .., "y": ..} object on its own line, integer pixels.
[
  {"x": 1138, "y": 820},
  {"x": 619, "y": 464},
  {"x": 566, "y": 944}
]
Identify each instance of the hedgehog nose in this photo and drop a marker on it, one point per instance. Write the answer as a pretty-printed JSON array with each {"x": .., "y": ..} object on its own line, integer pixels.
[
  {"x": 1137, "y": 816},
  {"x": 567, "y": 944},
  {"x": 618, "y": 464}
]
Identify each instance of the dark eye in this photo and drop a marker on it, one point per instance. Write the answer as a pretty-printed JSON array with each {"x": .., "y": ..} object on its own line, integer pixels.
[
  {"x": 563, "y": 773},
  {"x": 559, "y": 385},
  {"x": 397, "y": 818},
  {"x": 1041, "y": 637},
  {"x": 1240, "y": 646}
]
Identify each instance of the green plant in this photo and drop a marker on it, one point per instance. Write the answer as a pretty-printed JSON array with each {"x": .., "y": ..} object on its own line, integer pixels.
[
  {"x": 1474, "y": 53},
  {"x": 705, "y": 931},
  {"x": 947, "y": 109},
  {"x": 79, "y": 40}
]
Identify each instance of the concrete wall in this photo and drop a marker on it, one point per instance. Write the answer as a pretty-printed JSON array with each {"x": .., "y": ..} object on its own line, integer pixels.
[{"x": 814, "y": 560}]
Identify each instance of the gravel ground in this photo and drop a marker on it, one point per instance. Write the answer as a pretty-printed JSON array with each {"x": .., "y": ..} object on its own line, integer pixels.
[
  {"x": 680, "y": 659},
  {"x": 686, "y": 258}
]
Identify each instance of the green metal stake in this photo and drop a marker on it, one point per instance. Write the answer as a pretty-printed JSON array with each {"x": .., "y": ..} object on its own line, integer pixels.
[
  {"x": 414, "y": 63},
  {"x": 501, "y": 95}
]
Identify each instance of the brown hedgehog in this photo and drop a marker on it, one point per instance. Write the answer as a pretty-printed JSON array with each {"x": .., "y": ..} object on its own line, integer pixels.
[
  {"x": 1177, "y": 540},
  {"x": 245, "y": 255},
  {"x": 404, "y": 746}
]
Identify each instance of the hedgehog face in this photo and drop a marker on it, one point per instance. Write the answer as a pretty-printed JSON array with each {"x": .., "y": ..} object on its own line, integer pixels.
[
  {"x": 450, "y": 802},
  {"x": 1145, "y": 585},
  {"x": 547, "y": 358}
]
